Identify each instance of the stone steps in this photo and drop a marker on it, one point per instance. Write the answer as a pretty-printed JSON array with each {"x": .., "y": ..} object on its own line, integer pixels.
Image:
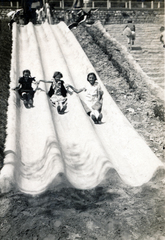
[
  {"x": 150, "y": 64},
  {"x": 150, "y": 60},
  {"x": 154, "y": 75},
  {"x": 138, "y": 38},
  {"x": 147, "y": 51},
  {"x": 146, "y": 68},
  {"x": 159, "y": 79}
]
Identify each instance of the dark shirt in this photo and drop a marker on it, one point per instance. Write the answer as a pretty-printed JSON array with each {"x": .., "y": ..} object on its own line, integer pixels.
[
  {"x": 58, "y": 89},
  {"x": 26, "y": 84}
]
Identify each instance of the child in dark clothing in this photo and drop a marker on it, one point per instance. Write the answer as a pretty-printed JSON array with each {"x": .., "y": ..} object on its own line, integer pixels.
[
  {"x": 81, "y": 16},
  {"x": 25, "y": 89}
]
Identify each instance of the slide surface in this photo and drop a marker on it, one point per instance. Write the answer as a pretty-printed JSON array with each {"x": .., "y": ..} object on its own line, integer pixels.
[{"x": 41, "y": 144}]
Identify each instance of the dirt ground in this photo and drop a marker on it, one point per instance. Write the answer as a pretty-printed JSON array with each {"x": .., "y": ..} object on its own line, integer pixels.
[{"x": 113, "y": 210}]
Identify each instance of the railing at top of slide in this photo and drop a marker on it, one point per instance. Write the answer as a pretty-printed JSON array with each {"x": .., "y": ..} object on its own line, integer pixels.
[{"x": 102, "y": 5}]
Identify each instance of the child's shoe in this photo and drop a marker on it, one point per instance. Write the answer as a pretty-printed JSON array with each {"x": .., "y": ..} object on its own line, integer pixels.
[
  {"x": 100, "y": 118},
  {"x": 94, "y": 119},
  {"x": 30, "y": 104},
  {"x": 59, "y": 109},
  {"x": 25, "y": 103}
]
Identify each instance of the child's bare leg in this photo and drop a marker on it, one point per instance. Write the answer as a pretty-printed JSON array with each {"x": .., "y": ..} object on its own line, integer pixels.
[
  {"x": 24, "y": 96},
  {"x": 94, "y": 118},
  {"x": 25, "y": 99},
  {"x": 129, "y": 43},
  {"x": 64, "y": 107},
  {"x": 58, "y": 109},
  {"x": 100, "y": 117},
  {"x": 30, "y": 96},
  {"x": 61, "y": 107}
]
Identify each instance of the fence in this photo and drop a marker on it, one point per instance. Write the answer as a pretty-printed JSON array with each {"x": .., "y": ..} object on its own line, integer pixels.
[{"x": 102, "y": 5}]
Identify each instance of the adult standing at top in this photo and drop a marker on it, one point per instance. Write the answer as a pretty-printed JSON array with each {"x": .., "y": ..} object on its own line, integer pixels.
[
  {"x": 29, "y": 7},
  {"x": 129, "y": 32},
  {"x": 162, "y": 36},
  {"x": 47, "y": 9}
]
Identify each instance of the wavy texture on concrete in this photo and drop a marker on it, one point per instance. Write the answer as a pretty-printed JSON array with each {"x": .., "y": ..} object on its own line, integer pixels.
[{"x": 41, "y": 143}]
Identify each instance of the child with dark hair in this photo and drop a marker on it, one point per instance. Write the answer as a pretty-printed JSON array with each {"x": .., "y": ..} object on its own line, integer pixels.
[
  {"x": 93, "y": 99},
  {"x": 25, "y": 89},
  {"x": 58, "y": 92}
]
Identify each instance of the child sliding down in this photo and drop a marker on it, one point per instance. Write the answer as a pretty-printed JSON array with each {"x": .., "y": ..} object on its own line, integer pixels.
[
  {"x": 25, "y": 90},
  {"x": 93, "y": 99},
  {"x": 93, "y": 95},
  {"x": 58, "y": 92}
]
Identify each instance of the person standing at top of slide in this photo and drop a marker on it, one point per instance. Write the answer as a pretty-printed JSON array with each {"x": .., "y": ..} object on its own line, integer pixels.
[
  {"x": 48, "y": 12},
  {"x": 40, "y": 15},
  {"x": 162, "y": 36},
  {"x": 129, "y": 32}
]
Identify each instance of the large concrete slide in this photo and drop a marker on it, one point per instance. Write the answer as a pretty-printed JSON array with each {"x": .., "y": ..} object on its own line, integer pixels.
[{"x": 41, "y": 144}]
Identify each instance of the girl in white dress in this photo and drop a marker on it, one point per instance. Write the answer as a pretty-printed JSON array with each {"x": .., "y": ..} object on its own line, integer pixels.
[{"x": 93, "y": 98}]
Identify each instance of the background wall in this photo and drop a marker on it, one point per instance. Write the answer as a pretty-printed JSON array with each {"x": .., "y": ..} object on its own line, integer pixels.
[{"x": 110, "y": 16}]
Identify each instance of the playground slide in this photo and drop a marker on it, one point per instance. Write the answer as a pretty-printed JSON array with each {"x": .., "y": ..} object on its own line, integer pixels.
[{"x": 41, "y": 144}]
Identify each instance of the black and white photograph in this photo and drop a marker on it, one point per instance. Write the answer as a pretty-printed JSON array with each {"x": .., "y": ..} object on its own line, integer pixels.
[{"x": 82, "y": 126}]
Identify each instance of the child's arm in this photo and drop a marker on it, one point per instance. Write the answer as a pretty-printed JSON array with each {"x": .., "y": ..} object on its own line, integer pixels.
[
  {"x": 100, "y": 93},
  {"x": 75, "y": 90},
  {"x": 45, "y": 81},
  {"x": 34, "y": 80},
  {"x": 125, "y": 28},
  {"x": 42, "y": 81},
  {"x": 17, "y": 88},
  {"x": 38, "y": 82}
]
